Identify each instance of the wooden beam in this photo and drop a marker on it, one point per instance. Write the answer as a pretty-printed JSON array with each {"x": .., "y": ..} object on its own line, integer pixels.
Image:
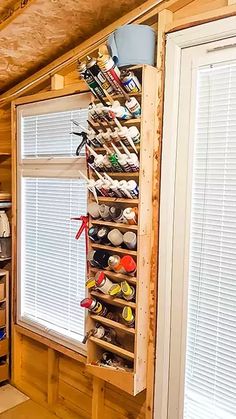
[
  {"x": 98, "y": 398},
  {"x": 13, "y": 12},
  {"x": 57, "y": 82},
  {"x": 53, "y": 377},
  {"x": 164, "y": 18},
  {"x": 205, "y": 17}
]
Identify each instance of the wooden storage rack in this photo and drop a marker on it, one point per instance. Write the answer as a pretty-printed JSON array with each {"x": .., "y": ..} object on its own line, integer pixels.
[
  {"x": 134, "y": 340},
  {"x": 4, "y": 324}
]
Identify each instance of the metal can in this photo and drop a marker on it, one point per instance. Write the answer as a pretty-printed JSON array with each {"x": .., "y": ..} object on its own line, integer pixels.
[
  {"x": 98, "y": 75},
  {"x": 127, "y": 290},
  {"x": 91, "y": 82},
  {"x": 114, "y": 263},
  {"x": 110, "y": 70},
  {"x": 128, "y": 317},
  {"x": 130, "y": 81},
  {"x": 93, "y": 305},
  {"x": 102, "y": 282}
]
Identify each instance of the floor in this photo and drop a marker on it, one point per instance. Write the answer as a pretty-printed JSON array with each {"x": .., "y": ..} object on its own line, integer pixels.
[
  {"x": 27, "y": 410},
  {"x": 15, "y": 405}
]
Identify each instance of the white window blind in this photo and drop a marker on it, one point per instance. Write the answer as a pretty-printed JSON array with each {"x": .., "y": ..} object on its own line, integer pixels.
[
  {"x": 50, "y": 134},
  {"x": 210, "y": 380},
  {"x": 52, "y": 264}
]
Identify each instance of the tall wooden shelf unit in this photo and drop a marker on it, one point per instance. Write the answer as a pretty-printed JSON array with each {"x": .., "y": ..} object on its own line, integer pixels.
[{"x": 134, "y": 340}]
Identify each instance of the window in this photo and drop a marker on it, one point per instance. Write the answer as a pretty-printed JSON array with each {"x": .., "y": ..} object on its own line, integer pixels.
[
  {"x": 198, "y": 241},
  {"x": 52, "y": 264}
]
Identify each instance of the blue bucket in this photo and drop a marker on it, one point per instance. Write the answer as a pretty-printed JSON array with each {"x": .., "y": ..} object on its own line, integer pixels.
[{"x": 132, "y": 45}]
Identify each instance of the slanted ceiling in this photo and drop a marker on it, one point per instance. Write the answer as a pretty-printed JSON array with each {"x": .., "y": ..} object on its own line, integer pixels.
[{"x": 34, "y": 32}]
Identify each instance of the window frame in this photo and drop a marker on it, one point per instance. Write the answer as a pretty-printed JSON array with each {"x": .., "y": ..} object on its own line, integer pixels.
[
  {"x": 57, "y": 167},
  {"x": 169, "y": 350}
]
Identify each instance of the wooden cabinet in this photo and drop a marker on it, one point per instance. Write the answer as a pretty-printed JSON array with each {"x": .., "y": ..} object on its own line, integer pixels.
[{"x": 133, "y": 340}]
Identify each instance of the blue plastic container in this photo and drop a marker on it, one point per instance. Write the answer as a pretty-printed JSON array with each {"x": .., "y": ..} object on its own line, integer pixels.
[{"x": 133, "y": 44}]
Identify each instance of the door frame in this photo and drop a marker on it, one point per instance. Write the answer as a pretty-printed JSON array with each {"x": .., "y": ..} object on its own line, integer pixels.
[{"x": 175, "y": 43}]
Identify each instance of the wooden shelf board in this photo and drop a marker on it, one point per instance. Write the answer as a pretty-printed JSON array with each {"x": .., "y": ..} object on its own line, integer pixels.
[
  {"x": 113, "y": 348},
  {"x": 121, "y": 379},
  {"x": 119, "y": 96},
  {"x": 118, "y": 200},
  {"x": 132, "y": 121},
  {"x": 115, "y": 225},
  {"x": 119, "y": 302},
  {"x": 3, "y": 301},
  {"x": 5, "y": 154},
  {"x": 118, "y": 174},
  {"x": 114, "y": 275},
  {"x": 114, "y": 325},
  {"x": 101, "y": 149},
  {"x": 114, "y": 249}
]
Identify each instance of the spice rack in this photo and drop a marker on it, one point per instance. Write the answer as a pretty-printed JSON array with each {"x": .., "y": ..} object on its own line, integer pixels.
[
  {"x": 133, "y": 340},
  {"x": 4, "y": 325}
]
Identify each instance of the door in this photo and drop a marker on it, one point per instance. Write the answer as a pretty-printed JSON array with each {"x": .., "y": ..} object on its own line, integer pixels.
[{"x": 202, "y": 369}]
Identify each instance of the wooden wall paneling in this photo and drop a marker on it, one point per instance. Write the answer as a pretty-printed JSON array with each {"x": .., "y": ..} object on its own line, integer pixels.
[
  {"x": 98, "y": 398},
  {"x": 198, "y": 6},
  {"x": 53, "y": 377},
  {"x": 201, "y": 18},
  {"x": 120, "y": 403},
  {"x": 75, "y": 388}
]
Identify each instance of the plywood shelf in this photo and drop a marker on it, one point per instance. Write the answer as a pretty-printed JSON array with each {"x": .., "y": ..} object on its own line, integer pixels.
[
  {"x": 117, "y": 200},
  {"x": 123, "y": 175},
  {"x": 116, "y": 276},
  {"x": 114, "y": 249},
  {"x": 132, "y": 121},
  {"x": 118, "y": 97},
  {"x": 115, "y": 225},
  {"x": 113, "y": 348},
  {"x": 119, "y": 302},
  {"x": 112, "y": 324},
  {"x": 101, "y": 149}
]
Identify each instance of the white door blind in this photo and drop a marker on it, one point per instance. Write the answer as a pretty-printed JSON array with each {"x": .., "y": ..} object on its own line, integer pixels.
[
  {"x": 210, "y": 380},
  {"x": 53, "y": 263},
  {"x": 51, "y": 134}
]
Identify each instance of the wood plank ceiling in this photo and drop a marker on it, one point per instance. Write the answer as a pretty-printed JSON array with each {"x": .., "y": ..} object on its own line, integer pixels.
[{"x": 35, "y": 32}]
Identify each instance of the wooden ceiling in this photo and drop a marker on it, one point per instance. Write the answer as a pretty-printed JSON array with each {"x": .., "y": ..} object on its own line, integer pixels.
[{"x": 35, "y": 32}]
